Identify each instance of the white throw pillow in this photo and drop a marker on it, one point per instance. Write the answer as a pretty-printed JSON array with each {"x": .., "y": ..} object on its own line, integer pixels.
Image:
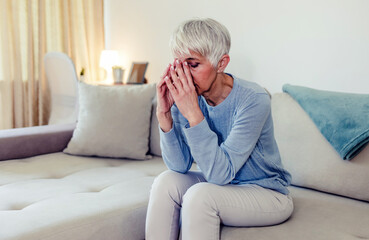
[{"x": 113, "y": 121}]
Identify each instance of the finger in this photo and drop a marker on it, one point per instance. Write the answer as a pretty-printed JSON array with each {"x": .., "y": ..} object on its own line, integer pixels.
[
  {"x": 188, "y": 74},
  {"x": 160, "y": 91},
  {"x": 181, "y": 74},
  {"x": 166, "y": 71},
  {"x": 170, "y": 86},
  {"x": 175, "y": 78},
  {"x": 160, "y": 84}
]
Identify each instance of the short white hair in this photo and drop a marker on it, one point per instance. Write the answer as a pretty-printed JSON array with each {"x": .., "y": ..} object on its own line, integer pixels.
[{"x": 205, "y": 36}]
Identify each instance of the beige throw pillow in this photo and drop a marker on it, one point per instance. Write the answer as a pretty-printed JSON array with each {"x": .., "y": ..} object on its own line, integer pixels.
[
  {"x": 154, "y": 132},
  {"x": 113, "y": 121}
]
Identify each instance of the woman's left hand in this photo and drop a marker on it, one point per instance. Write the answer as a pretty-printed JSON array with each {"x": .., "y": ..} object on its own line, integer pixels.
[{"x": 184, "y": 93}]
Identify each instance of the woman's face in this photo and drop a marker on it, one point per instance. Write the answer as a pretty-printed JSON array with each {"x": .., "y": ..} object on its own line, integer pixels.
[{"x": 202, "y": 71}]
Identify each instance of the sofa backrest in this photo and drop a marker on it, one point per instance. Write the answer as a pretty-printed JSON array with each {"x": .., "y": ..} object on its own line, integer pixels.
[
  {"x": 311, "y": 160},
  {"x": 32, "y": 141}
]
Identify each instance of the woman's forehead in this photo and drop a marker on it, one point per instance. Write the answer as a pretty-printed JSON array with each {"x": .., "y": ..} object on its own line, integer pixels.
[{"x": 190, "y": 56}]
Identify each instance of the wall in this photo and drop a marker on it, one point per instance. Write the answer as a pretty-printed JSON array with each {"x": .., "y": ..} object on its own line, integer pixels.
[{"x": 314, "y": 43}]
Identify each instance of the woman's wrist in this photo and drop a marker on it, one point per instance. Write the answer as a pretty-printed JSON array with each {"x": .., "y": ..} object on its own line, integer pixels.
[
  {"x": 195, "y": 118},
  {"x": 165, "y": 121}
]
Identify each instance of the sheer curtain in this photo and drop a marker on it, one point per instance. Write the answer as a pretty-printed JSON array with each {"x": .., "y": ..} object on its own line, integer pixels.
[{"x": 31, "y": 28}]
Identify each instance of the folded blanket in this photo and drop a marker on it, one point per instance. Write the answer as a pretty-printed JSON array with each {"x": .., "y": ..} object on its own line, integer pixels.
[{"x": 342, "y": 118}]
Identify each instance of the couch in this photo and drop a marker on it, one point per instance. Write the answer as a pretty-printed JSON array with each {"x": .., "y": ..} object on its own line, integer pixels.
[{"x": 50, "y": 195}]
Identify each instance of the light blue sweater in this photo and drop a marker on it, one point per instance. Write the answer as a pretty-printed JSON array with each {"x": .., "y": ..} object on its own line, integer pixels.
[{"x": 234, "y": 144}]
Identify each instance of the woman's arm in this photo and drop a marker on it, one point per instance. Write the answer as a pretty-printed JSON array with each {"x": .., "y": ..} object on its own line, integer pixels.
[
  {"x": 164, "y": 103},
  {"x": 175, "y": 151},
  {"x": 220, "y": 163}
]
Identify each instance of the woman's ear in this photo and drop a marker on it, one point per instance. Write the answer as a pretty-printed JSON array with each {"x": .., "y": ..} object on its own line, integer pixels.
[{"x": 223, "y": 63}]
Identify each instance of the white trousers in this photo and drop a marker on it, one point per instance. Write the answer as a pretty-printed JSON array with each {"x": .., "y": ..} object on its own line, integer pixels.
[{"x": 188, "y": 202}]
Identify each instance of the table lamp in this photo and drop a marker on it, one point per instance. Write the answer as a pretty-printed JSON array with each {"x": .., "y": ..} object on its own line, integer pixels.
[{"x": 108, "y": 59}]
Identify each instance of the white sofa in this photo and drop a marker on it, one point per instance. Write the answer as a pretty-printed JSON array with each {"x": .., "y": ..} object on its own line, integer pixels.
[{"x": 47, "y": 194}]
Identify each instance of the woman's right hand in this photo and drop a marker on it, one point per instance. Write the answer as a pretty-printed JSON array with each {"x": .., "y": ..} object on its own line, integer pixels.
[{"x": 165, "y": 102}]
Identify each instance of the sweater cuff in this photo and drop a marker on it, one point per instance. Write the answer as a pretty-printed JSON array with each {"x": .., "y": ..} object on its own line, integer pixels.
[
  {"x": 167, "y": 137},
  {"x": 197, "y": 133}
]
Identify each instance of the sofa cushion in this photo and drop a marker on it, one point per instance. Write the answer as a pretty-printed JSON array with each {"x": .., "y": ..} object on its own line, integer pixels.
[
  {"x": 113, "y": 121},
  {"x": 309, "y": 157},
  {"x": 154, "y": 132},
  {"x": 317, "y": 215},
  {"x": 59, "y": 196}
]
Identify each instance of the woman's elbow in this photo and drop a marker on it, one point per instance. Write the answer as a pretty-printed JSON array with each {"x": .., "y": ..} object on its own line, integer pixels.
[
  {"x": 218, "y": 180},
  {"x": 178, "y": 169}
]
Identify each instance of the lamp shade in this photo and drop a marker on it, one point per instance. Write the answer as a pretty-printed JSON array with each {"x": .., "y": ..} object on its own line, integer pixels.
[{"x": 108, "y": 59}]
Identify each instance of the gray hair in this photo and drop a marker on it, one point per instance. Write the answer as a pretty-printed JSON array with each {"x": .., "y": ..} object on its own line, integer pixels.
[{"x": 205, "y": 36}]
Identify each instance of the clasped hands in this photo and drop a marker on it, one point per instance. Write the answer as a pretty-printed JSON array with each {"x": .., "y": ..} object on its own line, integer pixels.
[{"x": 176, "y": 86}]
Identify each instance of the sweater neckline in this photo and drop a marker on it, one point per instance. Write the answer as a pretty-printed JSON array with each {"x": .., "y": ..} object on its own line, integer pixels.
[{"x": 227, "y": 99}]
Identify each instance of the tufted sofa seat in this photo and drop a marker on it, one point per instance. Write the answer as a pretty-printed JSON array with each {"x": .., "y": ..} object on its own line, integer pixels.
[{"x": 58, "y": 196}]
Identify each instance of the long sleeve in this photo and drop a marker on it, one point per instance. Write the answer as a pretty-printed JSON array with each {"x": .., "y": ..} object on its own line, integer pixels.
[
  {"x": 221, "y": 162},
  {"x": 234, "y": 144},
  {"x": 175, "y": 151}
]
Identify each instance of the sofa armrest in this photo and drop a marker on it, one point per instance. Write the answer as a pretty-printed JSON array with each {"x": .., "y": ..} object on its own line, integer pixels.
[{"x": 32, "y": 141}]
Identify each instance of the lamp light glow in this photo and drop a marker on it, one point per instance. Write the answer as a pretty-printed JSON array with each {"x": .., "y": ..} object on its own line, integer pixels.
[{"x": 108, "y": 59}]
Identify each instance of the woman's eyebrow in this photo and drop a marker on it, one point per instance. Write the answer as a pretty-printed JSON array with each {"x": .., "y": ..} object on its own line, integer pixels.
[{"x": 191, "y": 58}]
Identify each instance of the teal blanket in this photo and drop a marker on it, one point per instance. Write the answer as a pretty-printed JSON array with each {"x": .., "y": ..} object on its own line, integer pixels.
[{"x": 342, "y": 118}]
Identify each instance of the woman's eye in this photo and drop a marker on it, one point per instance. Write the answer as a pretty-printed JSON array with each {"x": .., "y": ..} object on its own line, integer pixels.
[{"x": 194, "y": 65}]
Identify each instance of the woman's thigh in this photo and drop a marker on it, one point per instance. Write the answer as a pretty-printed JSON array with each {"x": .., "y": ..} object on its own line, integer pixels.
[{"x": 245, "y": 205}]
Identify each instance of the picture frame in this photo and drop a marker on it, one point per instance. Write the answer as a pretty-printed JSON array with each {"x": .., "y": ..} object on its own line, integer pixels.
[{"x": 137, "y": 73}]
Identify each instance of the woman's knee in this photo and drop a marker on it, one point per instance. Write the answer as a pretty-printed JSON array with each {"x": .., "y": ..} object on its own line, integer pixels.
[
  {"x": 168, "y": 184},
  {"x": 199, "y": 197},
  {"x": 166, "y": 180}
]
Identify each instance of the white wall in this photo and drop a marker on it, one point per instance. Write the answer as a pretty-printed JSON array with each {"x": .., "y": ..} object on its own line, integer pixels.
[{"x": 322, "y": 44}]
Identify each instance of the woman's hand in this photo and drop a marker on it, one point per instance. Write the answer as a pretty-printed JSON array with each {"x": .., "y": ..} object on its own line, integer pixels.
[
  {"x": 165, "y": 102},
  {"x": 183, "y": 91}
]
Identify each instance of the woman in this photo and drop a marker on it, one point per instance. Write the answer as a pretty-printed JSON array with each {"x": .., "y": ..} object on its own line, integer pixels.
[{"x": 224, "y": 124}]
